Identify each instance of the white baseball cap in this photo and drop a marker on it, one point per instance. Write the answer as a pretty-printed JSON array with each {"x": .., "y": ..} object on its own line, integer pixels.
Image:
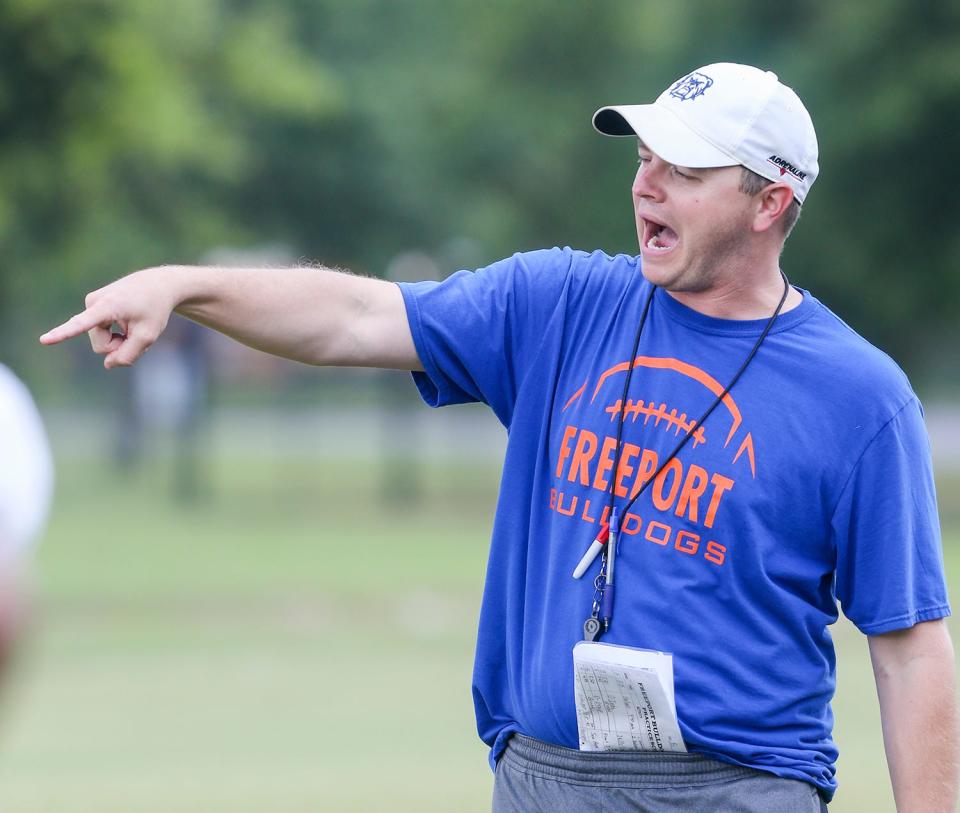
[{"x": 723, "y": 115}]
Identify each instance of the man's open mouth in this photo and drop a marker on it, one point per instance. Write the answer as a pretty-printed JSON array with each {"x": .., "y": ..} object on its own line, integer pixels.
[{"x": 658, "y": 237}]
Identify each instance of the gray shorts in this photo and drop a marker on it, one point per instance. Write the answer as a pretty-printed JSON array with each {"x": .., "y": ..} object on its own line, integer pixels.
[{"x": 537, "y": 776}]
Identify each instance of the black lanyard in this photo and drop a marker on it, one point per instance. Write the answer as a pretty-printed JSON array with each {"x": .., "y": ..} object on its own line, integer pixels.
[{"x": 601, "y": 613}]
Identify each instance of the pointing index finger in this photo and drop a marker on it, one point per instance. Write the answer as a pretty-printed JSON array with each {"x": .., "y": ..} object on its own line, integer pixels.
[{"x": 75, "y": 326}]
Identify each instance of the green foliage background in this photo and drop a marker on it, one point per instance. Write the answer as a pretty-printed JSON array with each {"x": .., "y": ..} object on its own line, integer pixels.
[{"x": 135, "y": 132}]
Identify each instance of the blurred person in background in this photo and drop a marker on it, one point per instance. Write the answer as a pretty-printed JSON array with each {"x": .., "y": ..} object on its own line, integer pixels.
[
  {"x": 805, "y": 484},
  {"x": 166, "y": 400},
  {"x": 26, "y": 488}
]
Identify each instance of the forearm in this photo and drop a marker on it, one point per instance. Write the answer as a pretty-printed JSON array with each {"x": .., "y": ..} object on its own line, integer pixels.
[
  {"x": 920, "y": 729},
  {"x": 306, "y": 314},
  {"x": 313, "y": 315}
]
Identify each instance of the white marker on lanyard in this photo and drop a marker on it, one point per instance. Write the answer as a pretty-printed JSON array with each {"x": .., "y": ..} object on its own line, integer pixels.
[{"x": 592, "y": 552}]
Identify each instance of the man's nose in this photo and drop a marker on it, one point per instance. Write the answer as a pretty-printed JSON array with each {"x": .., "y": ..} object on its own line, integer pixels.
[{"x": 647, "y": 182}]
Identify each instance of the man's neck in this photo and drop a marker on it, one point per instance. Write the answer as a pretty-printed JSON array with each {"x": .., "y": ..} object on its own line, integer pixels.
[{"x": 754, "y": 299}]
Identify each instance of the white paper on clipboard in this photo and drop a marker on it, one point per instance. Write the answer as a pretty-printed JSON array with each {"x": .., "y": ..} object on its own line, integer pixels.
[{"x": 625, "y": 699}]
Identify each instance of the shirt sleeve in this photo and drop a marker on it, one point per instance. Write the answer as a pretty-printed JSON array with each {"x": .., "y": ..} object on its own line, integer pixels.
[
  {"x": 886, "y": 529},
  {"x": 477, "y": 333},
  {"x": 26, "y": 474}
]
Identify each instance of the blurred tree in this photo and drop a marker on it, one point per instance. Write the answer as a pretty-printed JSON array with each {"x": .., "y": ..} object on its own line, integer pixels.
[
  {"x": 483, "y": 114},
  {"x": 128, "y": 136},
  {"x": 134, "y": 132}
]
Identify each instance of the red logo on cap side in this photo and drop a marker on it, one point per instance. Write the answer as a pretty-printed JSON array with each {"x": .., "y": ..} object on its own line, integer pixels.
[{"x": 785, "y": 166}]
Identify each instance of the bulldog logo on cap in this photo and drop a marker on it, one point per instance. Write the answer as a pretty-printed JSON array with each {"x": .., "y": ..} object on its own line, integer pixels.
[{"x": 692, "y": 85}]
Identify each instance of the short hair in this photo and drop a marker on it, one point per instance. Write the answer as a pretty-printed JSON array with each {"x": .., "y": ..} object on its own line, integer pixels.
[{"x": 751, "y": 183}]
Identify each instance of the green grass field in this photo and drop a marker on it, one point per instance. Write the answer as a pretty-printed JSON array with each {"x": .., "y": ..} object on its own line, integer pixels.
[{"x": 291, "y": 645}]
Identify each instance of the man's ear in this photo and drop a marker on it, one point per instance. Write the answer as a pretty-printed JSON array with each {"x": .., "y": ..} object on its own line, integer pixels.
[{"x": 772, "y": 202}]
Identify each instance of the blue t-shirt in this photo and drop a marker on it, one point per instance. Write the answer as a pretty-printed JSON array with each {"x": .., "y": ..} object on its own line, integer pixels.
[{"x": 809, "y": 485}]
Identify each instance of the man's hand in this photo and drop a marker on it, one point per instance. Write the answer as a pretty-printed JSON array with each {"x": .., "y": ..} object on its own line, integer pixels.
[
  {"x": 314, "y": 315},
  {"x": 139, "y": 305},
  {"x": 914, "y": 670}
]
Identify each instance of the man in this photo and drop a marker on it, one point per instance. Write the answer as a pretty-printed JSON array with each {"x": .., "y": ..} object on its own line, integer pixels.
[{"x": 804, "y": 479}]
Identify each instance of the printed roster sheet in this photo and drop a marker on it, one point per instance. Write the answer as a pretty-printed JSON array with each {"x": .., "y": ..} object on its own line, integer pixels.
[{"x": 625, "y": 699}]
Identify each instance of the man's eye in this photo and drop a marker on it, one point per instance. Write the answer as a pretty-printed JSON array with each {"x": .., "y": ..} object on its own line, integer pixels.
[
  {"x": 641, "y": 160},
  {"x": 676, "y": 171}
]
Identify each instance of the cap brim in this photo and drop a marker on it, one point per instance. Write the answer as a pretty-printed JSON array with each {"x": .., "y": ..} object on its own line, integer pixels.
[{"x": 662, "y": 132}]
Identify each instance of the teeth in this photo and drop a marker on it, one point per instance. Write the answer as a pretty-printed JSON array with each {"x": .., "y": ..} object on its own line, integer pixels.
[{"x": 654, "y": 243}]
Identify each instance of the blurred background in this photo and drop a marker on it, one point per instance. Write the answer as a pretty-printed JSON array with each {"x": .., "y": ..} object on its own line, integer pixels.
[{"x": 259, "y": 586}]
